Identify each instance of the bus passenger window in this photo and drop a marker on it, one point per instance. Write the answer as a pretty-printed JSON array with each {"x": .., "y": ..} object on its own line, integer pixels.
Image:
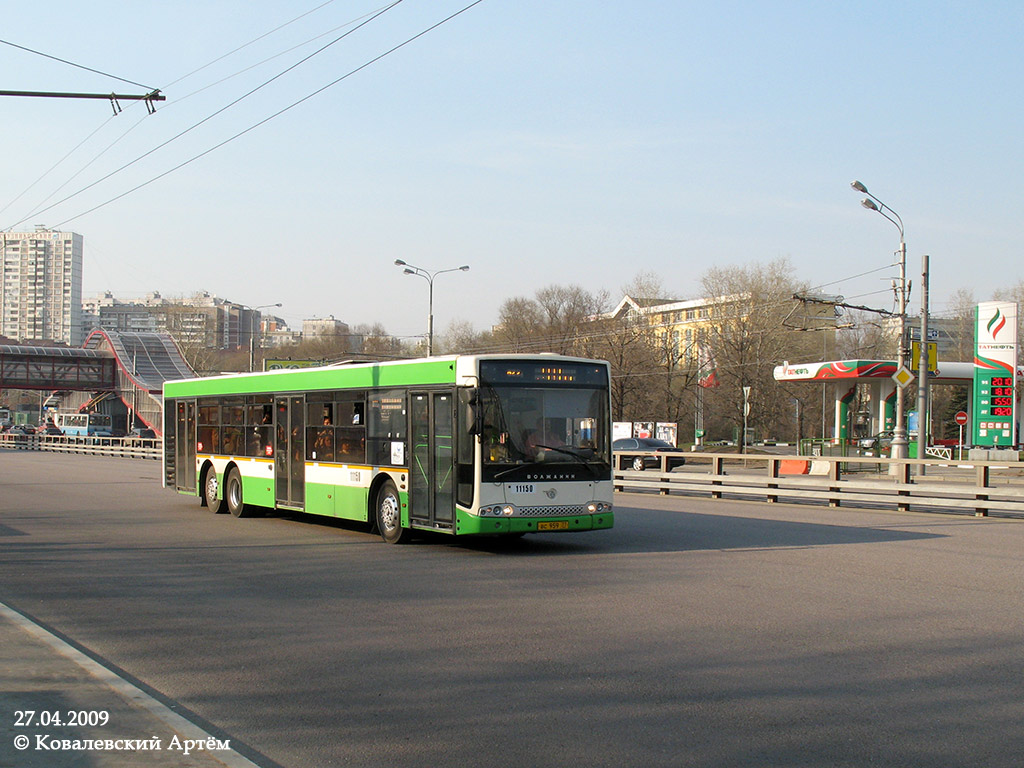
[
  {"x": 232, "y": 440},
  {"x": 321, "y": 442}
]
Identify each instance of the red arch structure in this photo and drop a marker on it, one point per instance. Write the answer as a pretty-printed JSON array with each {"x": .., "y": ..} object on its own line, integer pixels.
[
  {"x": 132, "y": 366},
  {"x": 144, "y": 360}
]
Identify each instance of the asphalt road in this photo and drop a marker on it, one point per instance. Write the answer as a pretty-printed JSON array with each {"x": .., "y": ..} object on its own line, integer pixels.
[{"x": 695, "y": 633}]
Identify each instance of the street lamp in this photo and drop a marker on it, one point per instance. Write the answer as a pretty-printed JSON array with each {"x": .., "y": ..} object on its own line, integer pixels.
[
  {"x": 411, "y": 269},
  {"x": 872, "y": 203},
  {"x": 252, "y": 333}
]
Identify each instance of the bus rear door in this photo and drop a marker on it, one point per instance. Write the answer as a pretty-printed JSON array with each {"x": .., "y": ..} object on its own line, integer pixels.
[
  {"x": 185, "y": 445},
  {"x": 290, "y": 452}
]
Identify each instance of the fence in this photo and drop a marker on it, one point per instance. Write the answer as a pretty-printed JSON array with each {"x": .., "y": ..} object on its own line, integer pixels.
[
  {"x": 976, "y": 487},
  {"x": 123, "y": 447},
  {"x": 979, "y": 488}
]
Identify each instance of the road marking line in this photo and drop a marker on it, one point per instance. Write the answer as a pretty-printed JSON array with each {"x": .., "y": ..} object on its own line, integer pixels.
[{"x": 133, "y": 694}]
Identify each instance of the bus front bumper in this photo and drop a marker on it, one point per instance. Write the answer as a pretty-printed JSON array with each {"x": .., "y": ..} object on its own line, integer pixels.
[{"x": 468, "y": 524}]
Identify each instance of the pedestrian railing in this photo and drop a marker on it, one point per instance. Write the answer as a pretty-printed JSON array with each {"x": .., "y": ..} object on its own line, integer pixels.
[
  {"x": 977, "y": 488},
  {"x": 123, "y": 447}
]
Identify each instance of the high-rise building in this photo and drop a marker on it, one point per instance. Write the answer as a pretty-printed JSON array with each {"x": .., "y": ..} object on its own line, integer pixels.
[
  {"x": 199, "y": 320},
  {"x": 41, "y": 286},
  {"x": 327, "y": 328}
]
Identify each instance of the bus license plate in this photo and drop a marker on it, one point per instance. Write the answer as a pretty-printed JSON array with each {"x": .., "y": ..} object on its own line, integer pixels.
[{"x": 560, "y": 525}]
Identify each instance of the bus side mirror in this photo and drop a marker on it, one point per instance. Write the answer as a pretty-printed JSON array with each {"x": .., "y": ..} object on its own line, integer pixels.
[{"x": 469, "y": 398}]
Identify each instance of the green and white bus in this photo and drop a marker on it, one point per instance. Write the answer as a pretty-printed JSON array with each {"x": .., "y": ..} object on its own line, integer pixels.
[{"x": 471, "y": 444}]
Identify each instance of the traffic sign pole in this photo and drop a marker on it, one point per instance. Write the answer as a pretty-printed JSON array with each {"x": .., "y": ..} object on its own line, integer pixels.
[{"x": 961, "y": 420}]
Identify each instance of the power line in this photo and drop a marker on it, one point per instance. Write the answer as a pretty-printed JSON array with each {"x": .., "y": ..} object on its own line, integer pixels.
[
  {"x": 39, "y": 205},
  {"x": 79, "y": 66},
  {"x": 52, "y": 167},
  {"x": 261, "y": 122},
  {"x": 210, "y": 117},
  {"x": 76, "y": 174},
  {"x": 854, "y": 277},
  {"x": 251, "y": 42},
  {"x": 269, "y": 58}
]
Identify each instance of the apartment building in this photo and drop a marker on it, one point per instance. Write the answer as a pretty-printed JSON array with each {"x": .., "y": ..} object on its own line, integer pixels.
[
  {"x": 41, "y": 286},
  {"x": 201, "y": 319}
]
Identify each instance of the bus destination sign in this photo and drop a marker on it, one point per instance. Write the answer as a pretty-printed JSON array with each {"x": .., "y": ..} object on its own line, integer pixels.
[{"x": 507, "y": 372}]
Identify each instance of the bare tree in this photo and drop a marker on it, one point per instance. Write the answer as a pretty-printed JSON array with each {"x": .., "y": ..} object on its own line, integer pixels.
[
  {"x": 627, "y": 343},
  {"x": 550, "y": 322},
  {"x": 462, "y": 338},
  {"x": 519, "y": 324},
  {"x": 748, "y": 337}
]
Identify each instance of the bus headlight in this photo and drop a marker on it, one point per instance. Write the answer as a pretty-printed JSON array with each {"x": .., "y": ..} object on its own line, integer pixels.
[
  {"x": 598, "y": 506},
  {"x": 498, "y": 510}
]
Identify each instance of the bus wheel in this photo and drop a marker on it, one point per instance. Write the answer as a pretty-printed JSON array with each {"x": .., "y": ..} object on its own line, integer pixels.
[
  {"x": 389, "y": 514},
  {"x": 233, "y": 494},
  {"x": 210, "y": 488}
]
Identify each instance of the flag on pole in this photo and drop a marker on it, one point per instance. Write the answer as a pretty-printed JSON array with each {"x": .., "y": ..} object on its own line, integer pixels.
[{"x": 707, "y": 370}]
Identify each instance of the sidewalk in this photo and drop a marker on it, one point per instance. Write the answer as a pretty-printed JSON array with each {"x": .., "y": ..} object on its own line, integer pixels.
[{"x": 38, "y": 678}]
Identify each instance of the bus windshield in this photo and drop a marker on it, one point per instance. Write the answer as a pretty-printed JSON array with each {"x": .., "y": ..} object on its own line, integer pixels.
[{"x": 536, "y": 417}]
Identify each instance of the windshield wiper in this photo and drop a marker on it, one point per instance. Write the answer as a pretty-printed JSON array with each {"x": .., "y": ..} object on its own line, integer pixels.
[
  {"x": 508, "y": 471},
  {"x": 579, "y": 459}
]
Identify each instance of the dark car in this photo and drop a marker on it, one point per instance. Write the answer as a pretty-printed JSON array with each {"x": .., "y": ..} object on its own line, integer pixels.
[
  {"x": 50, "y": 429},
  {"x": 626, "y": 444},
  {"x": 142, "y": 433}
]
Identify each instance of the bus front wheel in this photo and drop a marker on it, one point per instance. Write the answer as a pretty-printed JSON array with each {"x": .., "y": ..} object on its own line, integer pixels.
[
  {"x": 210, "y": 488},
  {"x": 389, "y": 514}
]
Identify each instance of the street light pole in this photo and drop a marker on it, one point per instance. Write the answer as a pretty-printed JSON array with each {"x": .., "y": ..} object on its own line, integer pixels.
[
  {"x": 872, "y": 203},
  {"x": 252, "y": 332},
  {"x": 429, "y": 276},
  {"x": 922, "y": 367}
]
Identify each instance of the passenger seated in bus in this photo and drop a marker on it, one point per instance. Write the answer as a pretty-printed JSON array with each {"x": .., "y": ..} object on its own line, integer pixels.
[
  {"x": 231, "y": 447},
  {"x": 323, "y": 446}
]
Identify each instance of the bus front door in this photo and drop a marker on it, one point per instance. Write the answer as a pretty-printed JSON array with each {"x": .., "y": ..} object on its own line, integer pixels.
[
  {"x": 432, "y": 431},
  {"x": 290, "y": 452}
]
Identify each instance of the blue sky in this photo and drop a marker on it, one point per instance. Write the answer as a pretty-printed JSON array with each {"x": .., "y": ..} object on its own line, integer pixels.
[{"x": 538, "y": 142}]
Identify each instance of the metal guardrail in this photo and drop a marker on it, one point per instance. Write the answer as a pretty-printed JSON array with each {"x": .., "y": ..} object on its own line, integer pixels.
[
  {"x": 977, "y": 488},
  {"x": 122, "y": 447}
]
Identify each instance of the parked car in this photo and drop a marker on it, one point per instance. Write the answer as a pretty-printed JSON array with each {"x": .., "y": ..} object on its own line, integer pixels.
[
  {"x": 142, "y": 433},
  {"x": 876, "y": 445},
  {"x": 626, "y": 444}
]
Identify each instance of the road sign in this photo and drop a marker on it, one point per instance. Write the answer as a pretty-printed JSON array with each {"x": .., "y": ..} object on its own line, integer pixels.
[
  {"x": 960, "y": 418},
  {"x": 933, "y": 356},
  {"x": 903, "y": 376}
]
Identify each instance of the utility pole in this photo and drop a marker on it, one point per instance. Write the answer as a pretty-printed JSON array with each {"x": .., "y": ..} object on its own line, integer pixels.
[{"x": 922, "y": 367}]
